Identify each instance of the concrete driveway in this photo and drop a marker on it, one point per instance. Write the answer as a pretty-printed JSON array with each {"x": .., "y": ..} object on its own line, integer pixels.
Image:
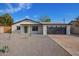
[
  {"x": 34, "y": 45},
  {"x": 68, "y": 42}
]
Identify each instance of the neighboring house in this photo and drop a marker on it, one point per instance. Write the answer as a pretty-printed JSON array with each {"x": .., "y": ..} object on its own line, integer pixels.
[
  {"x": 74, "y": 27},
  {"x": 33, "y": 27}
]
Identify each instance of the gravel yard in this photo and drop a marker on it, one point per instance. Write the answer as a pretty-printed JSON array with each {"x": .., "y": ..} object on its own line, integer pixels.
[{"x": 34, "y": 45}]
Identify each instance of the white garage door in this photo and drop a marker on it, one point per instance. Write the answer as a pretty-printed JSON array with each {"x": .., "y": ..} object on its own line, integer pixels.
[{"x": 1, "y": 29}]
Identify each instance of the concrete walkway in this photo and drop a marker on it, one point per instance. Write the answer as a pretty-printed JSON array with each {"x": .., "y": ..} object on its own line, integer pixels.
[
  {"x": 68, "y": 42},
  {"x": 35, "y": 45}
]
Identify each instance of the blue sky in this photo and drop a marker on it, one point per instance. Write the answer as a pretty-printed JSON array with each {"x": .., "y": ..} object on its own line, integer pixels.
[{"x": 57, "y": 11}]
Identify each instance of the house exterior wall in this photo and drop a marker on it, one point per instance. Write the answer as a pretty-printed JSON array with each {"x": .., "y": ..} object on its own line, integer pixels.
[
  {"x": 21, "y": 29},
  {"x": 74, "y": 28},
  {"x": 40, "y": 29},
  {"x": 44, "y": 29},
  {"x": 14, "y": 26},
  {"x": 29, "y": 29},
  {"x": 68, "y": 30}
]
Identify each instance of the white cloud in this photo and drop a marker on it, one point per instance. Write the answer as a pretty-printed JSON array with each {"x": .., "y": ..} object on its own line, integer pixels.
[
  {"x": 28, "y": 6},
  {"x": 21, "y": 6},
  {"x": 27, "y": 17}
]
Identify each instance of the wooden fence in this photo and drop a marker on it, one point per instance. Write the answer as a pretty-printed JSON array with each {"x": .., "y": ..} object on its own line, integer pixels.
[{"x": 7, "y": 29}]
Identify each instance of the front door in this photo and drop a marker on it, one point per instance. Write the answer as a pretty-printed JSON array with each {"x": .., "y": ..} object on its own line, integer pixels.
[{"x": 25, "y": 29}]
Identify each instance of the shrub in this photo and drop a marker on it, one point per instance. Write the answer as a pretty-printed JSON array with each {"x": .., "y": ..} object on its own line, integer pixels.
[{"x": 4, "y": 49}]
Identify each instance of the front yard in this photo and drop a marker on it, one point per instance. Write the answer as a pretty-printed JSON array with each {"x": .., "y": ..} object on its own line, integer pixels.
[{"x": 34, "y": 45}]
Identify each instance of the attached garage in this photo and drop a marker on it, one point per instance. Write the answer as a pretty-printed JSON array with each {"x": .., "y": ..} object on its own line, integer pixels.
[
  {"x": 53, "y": 28},
  {"x": 56, "y": 30}
]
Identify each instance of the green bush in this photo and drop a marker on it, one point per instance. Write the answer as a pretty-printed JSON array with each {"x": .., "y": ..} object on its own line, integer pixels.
[{"x": 4, "y": 49}]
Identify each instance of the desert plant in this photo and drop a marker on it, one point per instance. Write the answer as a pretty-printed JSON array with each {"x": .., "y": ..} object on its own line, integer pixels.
[{"x": 4, "y": 49}]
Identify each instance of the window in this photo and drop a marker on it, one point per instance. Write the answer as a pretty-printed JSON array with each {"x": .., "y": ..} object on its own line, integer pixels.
[
  {"x": 35, "y": 28},
  {"x": 18, "y": 27}
]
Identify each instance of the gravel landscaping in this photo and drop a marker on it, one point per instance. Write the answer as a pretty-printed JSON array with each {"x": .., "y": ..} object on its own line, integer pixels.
[{"x": 31, "y": 45}]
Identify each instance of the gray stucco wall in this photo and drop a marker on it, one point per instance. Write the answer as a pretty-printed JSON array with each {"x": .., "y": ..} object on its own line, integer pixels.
[{"x": 74, "y": 30}]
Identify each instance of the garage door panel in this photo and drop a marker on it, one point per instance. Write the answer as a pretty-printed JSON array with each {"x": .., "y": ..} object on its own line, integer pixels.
[{"x": 56, "y": 30}]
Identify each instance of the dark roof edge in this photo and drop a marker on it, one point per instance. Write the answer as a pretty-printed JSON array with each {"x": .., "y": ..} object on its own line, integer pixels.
[
  {"x": 24, "y": 20},
  {"x": 56, "y": 24},
  {"x": 37, "y": 22}
]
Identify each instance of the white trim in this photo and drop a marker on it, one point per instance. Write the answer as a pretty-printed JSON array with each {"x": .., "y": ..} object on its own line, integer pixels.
[
  {"x": 44, "y": 29},
  {"x": 22, "y": 29},
  {"x": 68, "y": 30}
]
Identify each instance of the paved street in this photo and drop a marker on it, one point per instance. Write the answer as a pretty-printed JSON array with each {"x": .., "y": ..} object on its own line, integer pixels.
[{"x": 34, "y": 45}]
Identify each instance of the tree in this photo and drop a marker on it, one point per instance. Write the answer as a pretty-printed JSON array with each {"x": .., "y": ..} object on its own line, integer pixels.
[
  {"x": 45, "y": 19},
  {"x": 1, "y": 18},
  {"x": 7, "y": 20}
]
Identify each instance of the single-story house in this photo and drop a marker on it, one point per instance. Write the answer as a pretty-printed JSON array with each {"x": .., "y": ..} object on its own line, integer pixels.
[{"x": 33, "y": 27}]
